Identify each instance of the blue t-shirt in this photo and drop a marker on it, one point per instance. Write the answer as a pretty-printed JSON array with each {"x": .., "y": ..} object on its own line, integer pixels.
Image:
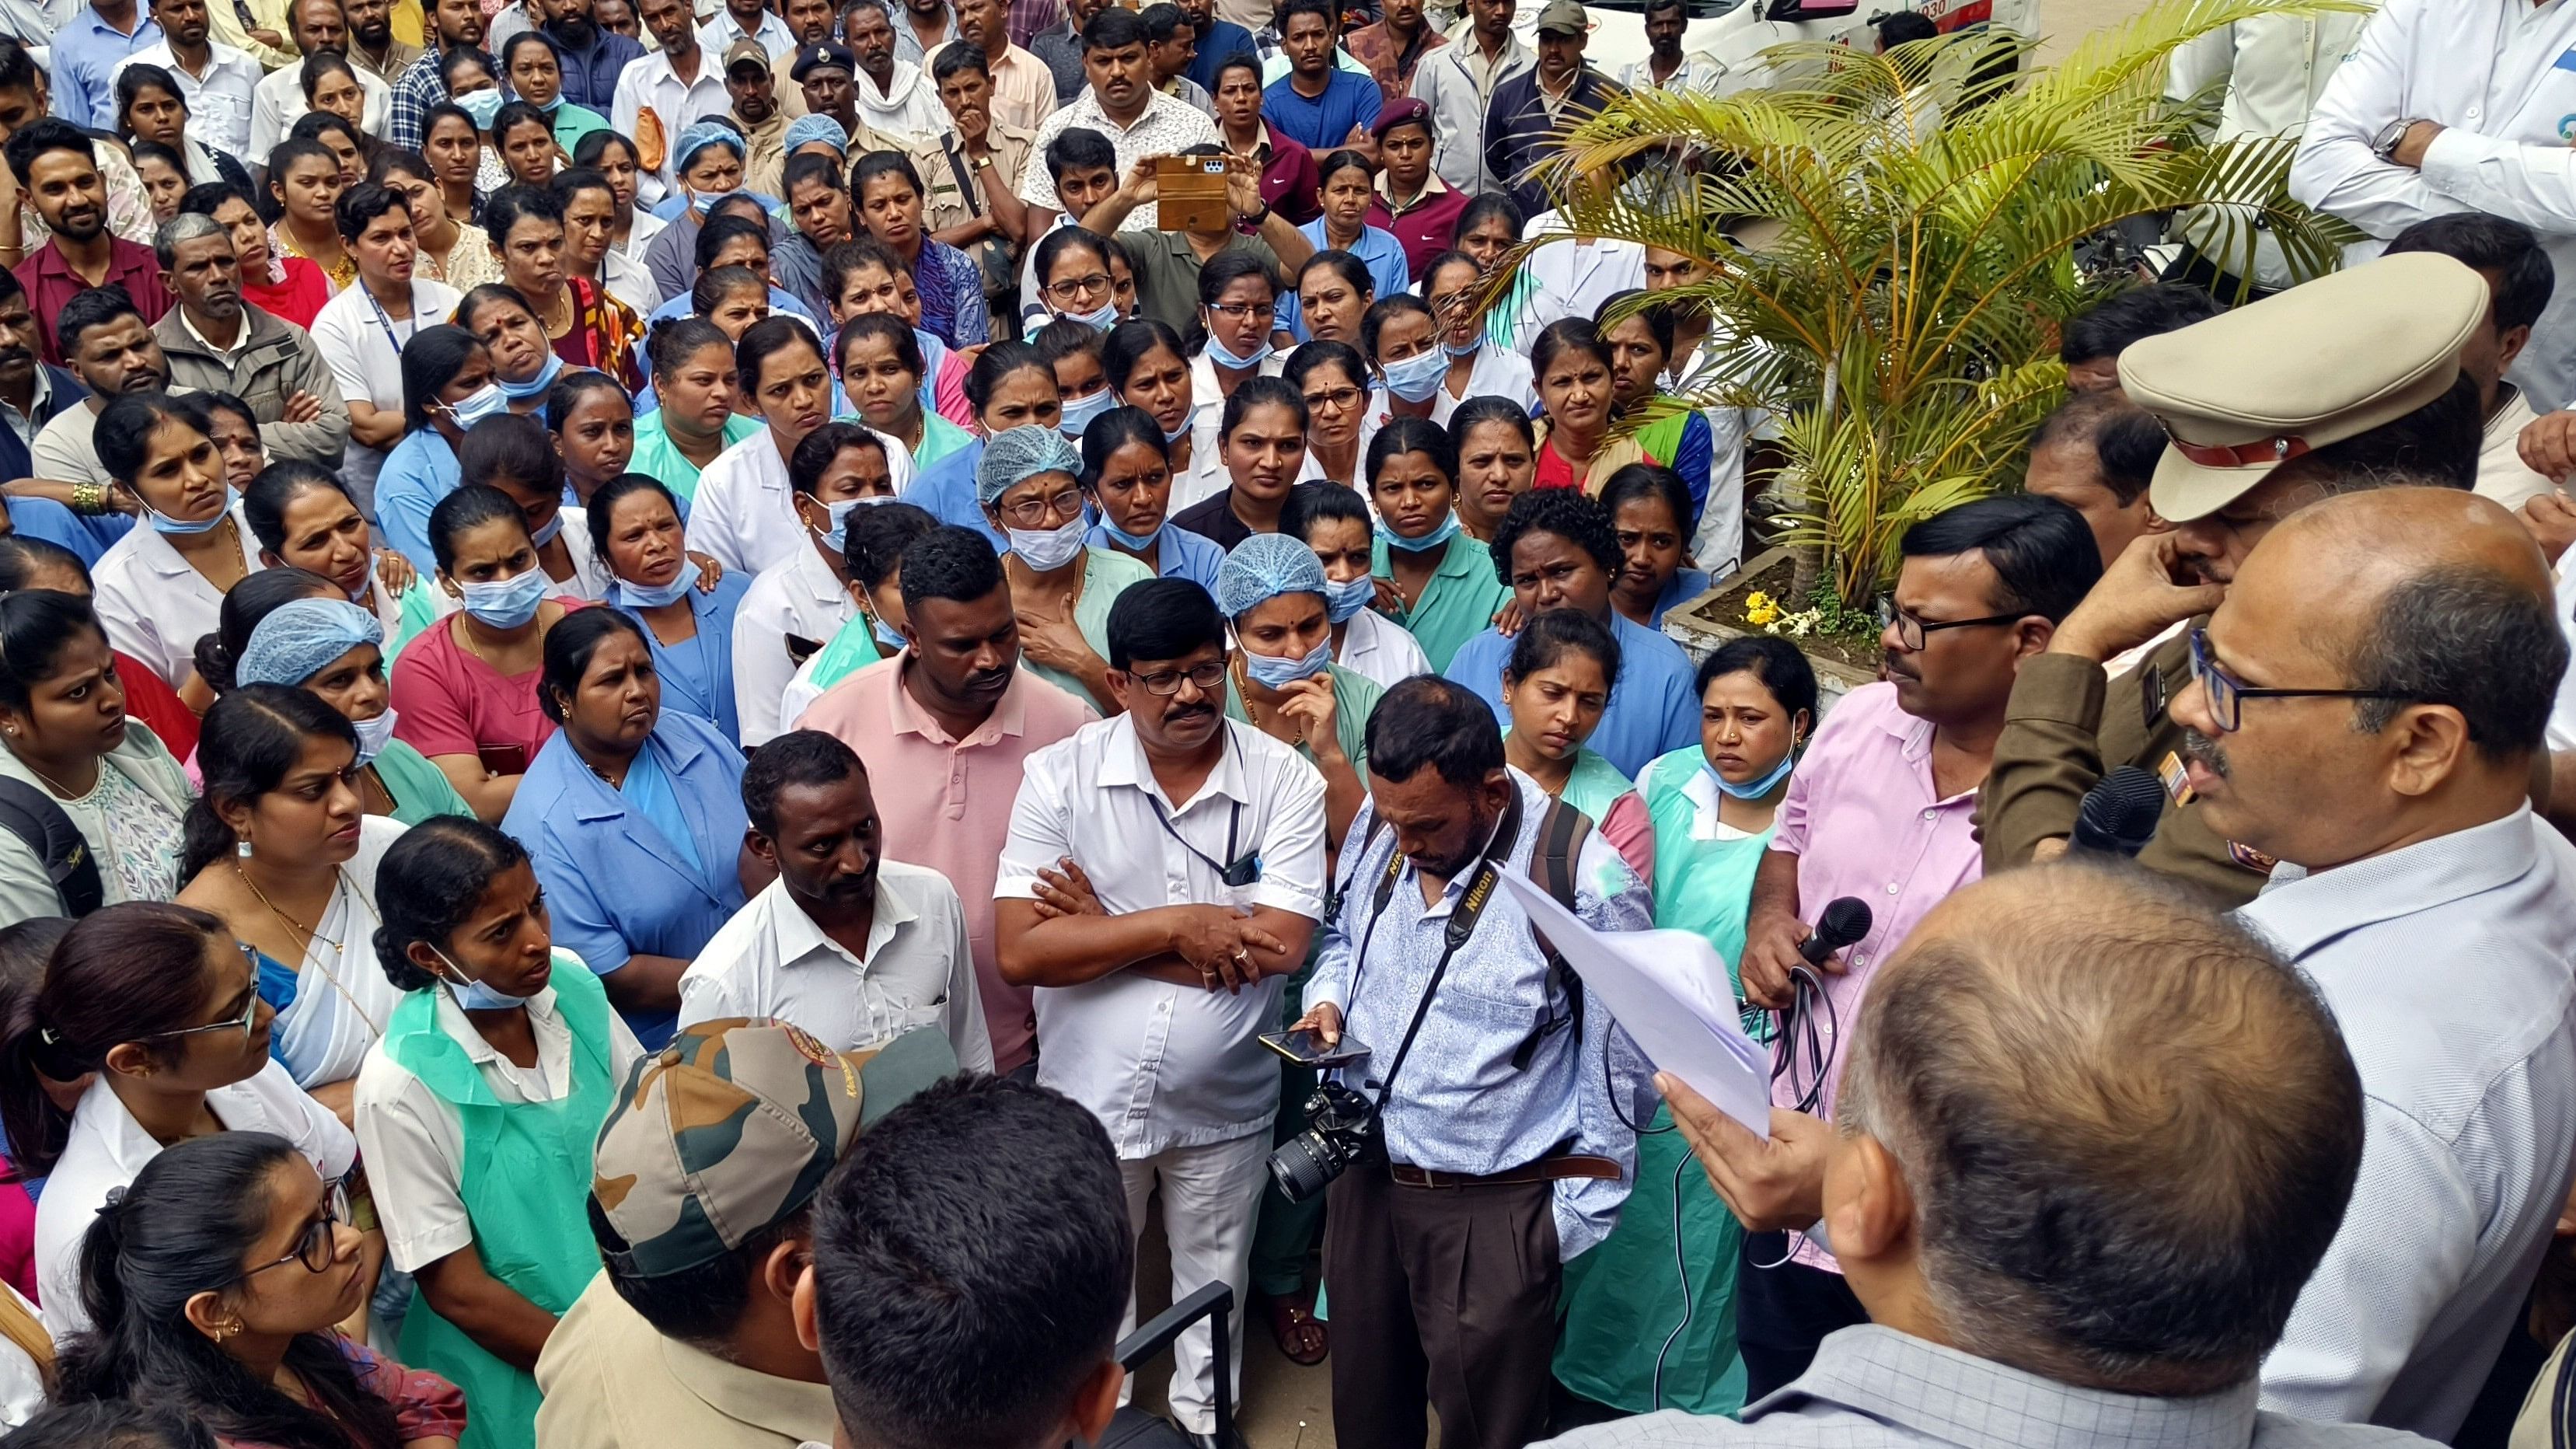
[
  {"x": 1653, "y": 709},
  {"x": 1377, "y": 250},
  {"x": 1323, "y": 124},
  {"x": 1178, "y": 553}
]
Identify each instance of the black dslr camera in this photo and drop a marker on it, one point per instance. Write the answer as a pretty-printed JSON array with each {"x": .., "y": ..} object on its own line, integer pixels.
[{"x": 1341, "y": 1128}]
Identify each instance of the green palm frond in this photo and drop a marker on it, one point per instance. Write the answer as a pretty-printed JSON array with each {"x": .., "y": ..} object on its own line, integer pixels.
[{"x": 1903, "y": 323}]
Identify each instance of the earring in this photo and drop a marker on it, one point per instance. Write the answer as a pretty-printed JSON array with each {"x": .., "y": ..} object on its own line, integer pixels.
[{"x": 243, "y": 848}]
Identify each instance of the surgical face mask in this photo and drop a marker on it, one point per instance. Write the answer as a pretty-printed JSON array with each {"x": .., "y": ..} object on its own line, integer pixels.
[
  {"x": 1273, "y": 673},
  {"x": 654, "y": 596},
  {"x": 1345, "y": 599},
  {"x": 1048, "y": 549},
  {"x": 548, "y": 534},
  {"x": 1101, "y": 318},
  {"x": 1079, "y": 411},
  {"x": 887, "y": 635},
  {"x": 836, "y": 515},
  {"x": 474, "y": 995},
  {"x": 1754, "y": 789},
  {"x": 484, "y": 402},
  {"x": 1255, "y": 358},
  {"x": 1417, "y": 377},
  {"x": 1437, "y": 537},
  {"x": 506, "y": 603},
  {"x": 1176, "y": 434},
  {"x": 373, "y": 735},
  {"x": 163, "y": 523},
  {"x": 1129, "y": 540},
  {"x": 1468, "y": 348}
]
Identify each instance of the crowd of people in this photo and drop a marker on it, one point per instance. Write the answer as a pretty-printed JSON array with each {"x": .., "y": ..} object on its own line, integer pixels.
[{"x": 671, "y": 748}]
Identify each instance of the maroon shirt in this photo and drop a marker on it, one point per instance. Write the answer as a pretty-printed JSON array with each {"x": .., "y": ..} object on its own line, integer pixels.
[
  {"x": 1426, "y": 228},
  {"x": 50, "y": 282},
  {"x": 1290, "y": 184}
]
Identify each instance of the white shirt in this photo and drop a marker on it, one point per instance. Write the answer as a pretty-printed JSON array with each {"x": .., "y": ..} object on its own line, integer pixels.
[
  {"x": 153, "y": 605},
  {"x": 22, "y": 1383},
  {"x": 2562, "y": 710},
  {"x": 1165, "y": 1066},
  {"x": 414, "y": 1144},
  {"x": 590, "y": 577},
  {"x": 1572, "y": 278},
  {"x": 802, "y": 597},
  {"x": 1718, "y": 544},
  {"x": 2502, "y": 475},
  {"x": 772, "y": 960},
  {"x": 628, "y": 279},
  {"x": 2489, "y": 71},
  {"x": 1205, "y": 477},
  {"x": 342, "y": 997},
  {"x": 1379, "y": 649},
  {"x": 744, "y": 514},
  {"x": 277, "y": 103},
  {"x": 107, "y": 1147},
  {"x": 1207, "y": 401},
  {"x": 724, "y": 30},
  {"x": 2269, "y": 71},
  {"x": 649, "y": 83},
  {"x": 1166, "y": 127},
  {"x": 366, "y": 361},
  {"x": 219, "y": 102},
  {"x": 1496, "y": 373},
  {"x": 908, "y": 107}
]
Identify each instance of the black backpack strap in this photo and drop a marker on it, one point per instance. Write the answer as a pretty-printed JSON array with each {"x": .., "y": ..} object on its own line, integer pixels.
[
  {"x": 1561, "y": 834},
  {"x": 39, "y": 824}
]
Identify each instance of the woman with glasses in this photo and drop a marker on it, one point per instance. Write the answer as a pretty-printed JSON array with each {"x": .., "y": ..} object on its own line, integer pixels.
[
  {"x": 633, "y": 816},
  {"x": 1030, "y": 483},
  {"x": 1282, "y": 679},
  {"x": 872, "y": 543},
  {"x": 1335, "y": 384},
  {"x": 1073, "y": 277},
  {"x": 163, "y": 1004},
  {"x": 477, "y": 1112},
  {"x": 281, "y": 847},
  {"x": 220, "y": 1278},
  {"x": 1712, "y": 805},
  {"x": 1435, "y": 581},
  {"x": 1127, "y": 472},
  {"x": 1238, "y": 310},
  {"x": 1335, "y": 526}
]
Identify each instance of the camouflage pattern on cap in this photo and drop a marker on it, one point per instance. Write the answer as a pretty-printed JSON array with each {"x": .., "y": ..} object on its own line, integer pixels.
[{"x": 733, "y": 1126}]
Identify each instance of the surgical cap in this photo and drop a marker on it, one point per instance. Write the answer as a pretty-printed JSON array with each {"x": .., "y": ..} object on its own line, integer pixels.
[
  {"x": 297, "y": 638},
  {"x": 1017, "y": 454},
  {"x": 698, "y": 136},
  {"x": 1263, "y": 567},
  {"x": 482, "y": 106},
  {"x": 808, "y": 129}
]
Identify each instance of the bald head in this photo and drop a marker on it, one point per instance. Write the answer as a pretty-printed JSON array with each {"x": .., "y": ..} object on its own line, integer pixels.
[{"x": 2129, "y": 1131}]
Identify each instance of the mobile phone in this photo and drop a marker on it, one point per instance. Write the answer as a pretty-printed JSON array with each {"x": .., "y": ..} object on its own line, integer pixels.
[
  {"x": 1191, "y": 192},
  {"x": 1307, "y": 1050}
]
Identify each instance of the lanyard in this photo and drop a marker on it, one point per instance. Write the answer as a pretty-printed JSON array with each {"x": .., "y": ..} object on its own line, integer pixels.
[
  {"x": 387, "y": 322},
  {"x": 1462, "y": 924},
  {"x": 1245, "y": 869}
]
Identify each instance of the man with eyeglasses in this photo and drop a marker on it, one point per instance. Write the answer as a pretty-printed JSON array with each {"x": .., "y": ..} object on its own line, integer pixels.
[
  {"x": 1164, "y": 873},
  {"x": 1881, "y": 808},
  {"x": 2349, "y": 382},
  {"x": 2382, "y": 752},
  {"x": 1168, "y": 263}
]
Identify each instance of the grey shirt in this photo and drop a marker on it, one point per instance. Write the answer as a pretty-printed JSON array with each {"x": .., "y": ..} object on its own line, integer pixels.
[
  {"x": 1875, "y": 1386},
  {"x": 2450, "y": 966}
]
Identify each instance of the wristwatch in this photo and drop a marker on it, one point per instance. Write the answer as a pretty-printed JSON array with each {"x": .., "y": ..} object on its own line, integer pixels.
[
  {"x": 983, "y": 163},
  {"x": 2385, "y": 144},
  {"x": 1256, "y": 220}
]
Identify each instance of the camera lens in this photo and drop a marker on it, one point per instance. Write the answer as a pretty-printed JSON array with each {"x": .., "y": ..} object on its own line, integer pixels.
[{"x": 1305, "y": 1165}]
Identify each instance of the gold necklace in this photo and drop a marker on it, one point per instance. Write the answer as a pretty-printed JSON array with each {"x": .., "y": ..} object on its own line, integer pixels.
[
  {"x": 1243, "y": 689},
  {"x": 551, "y": 329},
  {"x": 340, "y": 882}
]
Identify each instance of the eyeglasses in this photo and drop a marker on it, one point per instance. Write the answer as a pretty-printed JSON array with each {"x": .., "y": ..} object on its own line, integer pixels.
[
  {"x": 1911, "y": 631},
  {"x": 1168, "y": 682},
  {"x": 320, "y": 1244},
  {"x": 1034, "y": 512},
  {"x": 1339, "y": 399},
  {"x": 1239, "y": 311},
  {"x": 2227, "y": 693},
  {"x": 1073, "y": 289},
  {"x": 249, "y": 1011}
]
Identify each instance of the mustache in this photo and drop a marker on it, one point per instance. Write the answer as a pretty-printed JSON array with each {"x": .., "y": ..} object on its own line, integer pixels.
[{"x": 2206, "y": 751}]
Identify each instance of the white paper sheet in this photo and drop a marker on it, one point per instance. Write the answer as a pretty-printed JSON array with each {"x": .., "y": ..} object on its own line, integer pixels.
[{"x": 1667, "y": 989}]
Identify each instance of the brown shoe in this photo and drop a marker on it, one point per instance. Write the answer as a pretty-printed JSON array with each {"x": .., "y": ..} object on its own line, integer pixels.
[{"x": 1302, "y": 1337}]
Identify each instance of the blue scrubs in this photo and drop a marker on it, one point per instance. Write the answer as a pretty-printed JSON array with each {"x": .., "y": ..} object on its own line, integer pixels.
[
  {"x": 88, "y": 537},
  {"x": 1178, "y": 553},
  {"x": 1377, "y": 249},
  {"x": 618, "y": 884},
  {"x": 420, "y": 471},
  {"x": 1653, "y": 709},
  {"x": 697, "y": 674},
  {"x": 946, "y": 491}
]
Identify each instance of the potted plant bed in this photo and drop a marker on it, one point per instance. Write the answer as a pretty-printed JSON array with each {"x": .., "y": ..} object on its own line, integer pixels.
[{"x": 1842, "y": 661}]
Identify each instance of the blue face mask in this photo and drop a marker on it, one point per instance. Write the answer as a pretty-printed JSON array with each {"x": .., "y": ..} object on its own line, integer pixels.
[
  {"x": 186, "y": 528},
  {"x": 1417, "y": 377},
  {"x": 1129, "y": 540},
  {"x": 1216, "y": 350},
  {"x": 474, "y": 995},
  {"x": 887, "y": 635},
  {"x": 1100, "y": 318},
  {"x": 1755, "y": 789},
  {"x": 837, "y": 514},
  {"x": 373, "y": 735},
  {"x": 551, "y": 369},
  {"x": 1177, "y": 434},
  {"x": 1272, "y": 673},
  {"x": 1464, "y": 349},
  {"x": 487, "y": 401},
  {"x": 548, "y": 534},
  {"x": 1079, "y": 411},
  {"x": 1343, "y": 600},
  {"x": 652, "y": 596},
  {"x": 1437, "y": 537},
  {"x": 506, "y": 603}
]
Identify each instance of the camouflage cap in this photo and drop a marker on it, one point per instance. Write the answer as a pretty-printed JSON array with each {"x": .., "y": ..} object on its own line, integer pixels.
[{"x": 732, "y": 1127}]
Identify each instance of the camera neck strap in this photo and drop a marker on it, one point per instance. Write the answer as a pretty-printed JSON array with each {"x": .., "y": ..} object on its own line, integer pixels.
[{"x": 1481, "y": 885}]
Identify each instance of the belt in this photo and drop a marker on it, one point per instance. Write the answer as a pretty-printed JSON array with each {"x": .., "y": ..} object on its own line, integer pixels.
[{"x": 1546, "y": 1169}]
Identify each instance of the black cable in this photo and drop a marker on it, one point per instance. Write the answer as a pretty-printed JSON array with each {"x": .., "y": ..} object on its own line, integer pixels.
[{"x": 1681, "y": 1274}]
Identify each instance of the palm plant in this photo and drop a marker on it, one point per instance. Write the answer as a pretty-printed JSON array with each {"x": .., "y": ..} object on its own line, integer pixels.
[{"x": 1902, "y": 325}]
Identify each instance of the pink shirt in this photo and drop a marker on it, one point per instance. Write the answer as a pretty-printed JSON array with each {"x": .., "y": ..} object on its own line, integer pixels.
[
  {"x": 946, "y": 803},
  {"x": 1864, "y": 820},
  {"x": 452, "y": 703}
]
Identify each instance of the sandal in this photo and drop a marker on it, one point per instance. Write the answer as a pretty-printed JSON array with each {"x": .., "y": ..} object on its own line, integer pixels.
[{"x": 1301, "y": 1336}]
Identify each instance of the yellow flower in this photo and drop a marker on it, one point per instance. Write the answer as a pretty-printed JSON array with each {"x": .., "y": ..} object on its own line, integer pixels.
[
  {"x": 1762, "y": 617},
  {"x": 1757, "y": 600}
]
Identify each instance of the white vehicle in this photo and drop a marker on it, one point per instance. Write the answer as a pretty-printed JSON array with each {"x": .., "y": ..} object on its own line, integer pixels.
[{"x": 1729, "y": 37}]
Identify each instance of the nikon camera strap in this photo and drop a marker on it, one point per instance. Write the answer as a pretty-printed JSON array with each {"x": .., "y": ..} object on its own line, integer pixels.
[{"x": 1462, "y": 925}]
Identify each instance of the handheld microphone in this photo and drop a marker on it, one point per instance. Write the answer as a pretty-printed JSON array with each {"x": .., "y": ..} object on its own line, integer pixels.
[
  {"x": 2118, "y": 816},
  {"x": 1844, "y": 920}
]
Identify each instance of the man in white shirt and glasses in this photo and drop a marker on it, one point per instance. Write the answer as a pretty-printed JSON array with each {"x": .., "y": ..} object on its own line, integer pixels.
[{"x": 1165, "y": 869}]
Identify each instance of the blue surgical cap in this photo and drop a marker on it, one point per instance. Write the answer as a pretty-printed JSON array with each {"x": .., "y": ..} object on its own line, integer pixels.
[
  {"x": 698, "y": 136},
  {"x": 1016, "y": 455},
  {"x": 297, "y": 638},
  {"x": 806, "y": 130},
  {"x": 1263, "y": 567}
]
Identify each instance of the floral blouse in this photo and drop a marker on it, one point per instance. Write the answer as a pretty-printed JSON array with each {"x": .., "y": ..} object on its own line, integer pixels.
[{"x": 425, "y": 1405}]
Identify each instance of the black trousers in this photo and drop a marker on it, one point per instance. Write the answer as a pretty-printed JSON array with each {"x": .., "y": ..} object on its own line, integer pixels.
[
  {"x": 1782, "y": 1314},
  {"x": 1440, "y": 1297}
]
